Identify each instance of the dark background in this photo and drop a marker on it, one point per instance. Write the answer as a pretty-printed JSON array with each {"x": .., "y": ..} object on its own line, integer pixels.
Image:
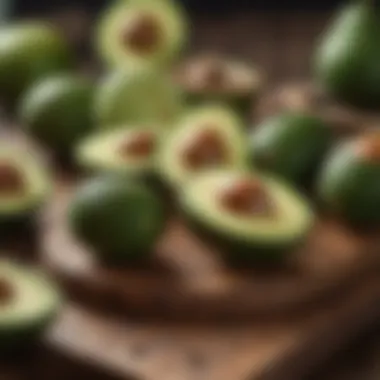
[{"x": 213, "y": 6}]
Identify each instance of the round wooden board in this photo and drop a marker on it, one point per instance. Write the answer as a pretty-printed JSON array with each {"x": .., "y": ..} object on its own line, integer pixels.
[{"x": 189, "y": 280}]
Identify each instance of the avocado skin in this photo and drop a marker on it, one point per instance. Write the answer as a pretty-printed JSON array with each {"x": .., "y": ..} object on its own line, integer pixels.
[
  {"x": 119, "y": 242},
  {"x": 29, "y": 52},
  {"x": 58, "y": 111},
  {"x": 14, "y": 338},
  {"x": 347, "y": 61},
  {"x": 12, "y": 226},
  {"x": 350, "y": 187},
  {"x": 238, "y": 253},
  {"x": 291, "y": 145}
]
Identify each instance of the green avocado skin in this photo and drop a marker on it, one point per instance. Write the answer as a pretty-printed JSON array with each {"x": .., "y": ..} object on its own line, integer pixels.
[
  {"x": 350, "y": 187},
  {"x": 118, "y": 217},
  {"x": 58, "y": 111},
  {"x": 241, "y": 253},
  {"x": 347, "y": 61},
  {"x": 290, "y": 145},
  {"x": 16, "y": 338},
  {"x": 29, "y": 52}
]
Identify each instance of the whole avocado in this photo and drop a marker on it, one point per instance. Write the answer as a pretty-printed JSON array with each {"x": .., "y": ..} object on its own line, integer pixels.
[
  {"x": 349, "y": 183},
  {"x": 58, "y": 111},
  {"x": 29, "y": 51},
  {"x": 347, "y": 61},
  {"x": 117, "y": 217},
  {"x": 290, "y": 145}
]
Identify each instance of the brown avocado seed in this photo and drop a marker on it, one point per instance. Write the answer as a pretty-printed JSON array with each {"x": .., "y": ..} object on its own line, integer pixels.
[
  {"x": 369, "y": 147},
  {"x": 11, "y": 180},
  {"x": 140, "y": 144},
  {"x": 213, "y": 73},
  {"x": 206, "y": 149},
  {"x": 143, "y": 35},
  {"x": 6, "y": 292},
  {"x": 247, "y": 198}
]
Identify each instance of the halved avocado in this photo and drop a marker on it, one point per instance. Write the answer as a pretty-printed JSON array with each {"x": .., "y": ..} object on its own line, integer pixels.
[
  {"x": 24, "y": 185},
  {"x": 137, "y": 96},
  {"x": 29, "y": 301},
  {"x": 253, "y": 217},
  {"x": 129, "y": 150},
  {"x": 291, "y": 145},
  {"x": 216, "y": 78},
  {"x": 119, "y": 218},
  {"x": 207, "y": 137},
  {"x": 349, "y": 184},
  {"x": 142, "y": 32}
]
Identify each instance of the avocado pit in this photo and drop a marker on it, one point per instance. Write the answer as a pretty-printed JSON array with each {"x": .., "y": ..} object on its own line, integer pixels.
[
  {"x": 247, "y": 198},
  {"x": 6, "y": 292},
  {"x": 140, "y": 145},
  {"x": 11, "y": 179},
  {"x": 206, "y": 149},
  {"x": 369, "y": 147},
  {"x": 143, "y": 35}
]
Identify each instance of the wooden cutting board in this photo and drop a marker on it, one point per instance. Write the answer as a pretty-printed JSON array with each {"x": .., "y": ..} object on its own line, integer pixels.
[
  {"x": 188, "y": 279},
  {"x": 259, "y": 350}
]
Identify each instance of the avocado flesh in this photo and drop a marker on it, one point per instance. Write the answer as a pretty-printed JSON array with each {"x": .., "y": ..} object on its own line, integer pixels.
[
  {"x": 243, "y": 84},
  {"x": 58, "y": 111},
  {"x": 291, "y": 145},
  {"x": 348, "y": 58},
  {"x": 36, "y": 188},
  {"x": 170, "y": 165},
  {"x": 170, "y": 20},
  {"x": 33, "y": 303},
  {"x": 100, "y": 153},
  {"x": 135, "y": 97},
  {"x": 247, "y": 239},
  {"x": 29, "y": 51},
  {"x": 118, "y": 218},
  {"x": 349, "y": 186}
]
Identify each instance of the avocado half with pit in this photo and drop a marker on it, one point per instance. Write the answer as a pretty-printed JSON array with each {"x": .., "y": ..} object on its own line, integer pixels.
[
  {"x": 205, "y": 138},
  {"x": 292, "y": 145},
  {"x": 254, "y": 218},
  {"x": 29, "y": 301},
  {"x": 219, "y": 79},
  {"x": 142, "y": 33},
  {"x": 25, "y": 183},
  {"x": 125, "y": 150},
  {"x": 349, "y": 183},
  {"x": 137, "y": 96}
]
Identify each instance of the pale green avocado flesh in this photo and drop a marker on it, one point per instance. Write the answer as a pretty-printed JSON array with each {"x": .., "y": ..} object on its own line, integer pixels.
[
  {"x": 107, "y": 151},
  {"x": 35, "y": 178},
  {"x": 167, "y": 24},
  {"x": 28, "y": 302},
  {"x": 292, "y": 218},
  {"x": 223, "y": 121}
]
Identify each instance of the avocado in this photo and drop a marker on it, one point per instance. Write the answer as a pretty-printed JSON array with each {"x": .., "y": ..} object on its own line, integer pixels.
[
  {"x": 214, "y": 78},
  {"x": 58, "y": 111},
  {"x": 25, "y": 183},
  {"x": 209, "y": 136},
  {"x": 349, "y": 182},
  {"x": 128, "y": 150},
  {"x": 137, "y": 96},
  {"x": 291, "y": 145},
  {"x": 119, "y": 218},
  {"x": 142, "y": 33},
  {"x": 29, "y": 301},
  {"x": 253, "y": 217},
  {"x": 347, "y": 60},
  {"x": 29, "y": 51}
]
